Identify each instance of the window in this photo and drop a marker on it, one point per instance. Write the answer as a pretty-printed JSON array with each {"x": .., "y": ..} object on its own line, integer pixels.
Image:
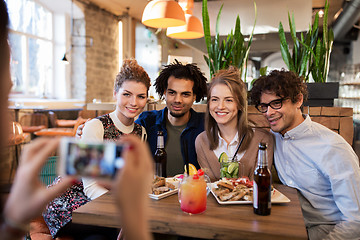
[
  {"x": 147, "y": 47},
  {"x": 31, "y": 41}
]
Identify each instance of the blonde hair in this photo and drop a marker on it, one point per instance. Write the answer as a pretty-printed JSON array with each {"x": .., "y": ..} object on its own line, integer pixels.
[{"x": 231, "y": 78}]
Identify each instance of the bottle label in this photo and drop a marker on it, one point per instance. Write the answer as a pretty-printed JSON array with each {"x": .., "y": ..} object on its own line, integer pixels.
[
  {"x": 160, "y": 142},
  {"x": 255, "y": 195}
]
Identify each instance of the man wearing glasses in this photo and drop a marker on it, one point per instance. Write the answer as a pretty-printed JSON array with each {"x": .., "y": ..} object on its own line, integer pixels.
[{"x": 311, "y": 158}]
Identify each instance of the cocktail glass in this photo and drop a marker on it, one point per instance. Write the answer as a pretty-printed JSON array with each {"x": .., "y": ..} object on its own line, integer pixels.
[
  {"x": 193, "y": 193},
  {"x": 231, "y": 169}
]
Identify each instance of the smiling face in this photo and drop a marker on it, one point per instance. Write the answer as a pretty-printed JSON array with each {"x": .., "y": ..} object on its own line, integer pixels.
[
  {"x": 287, "y": 117},
  {"x": 179, "y": 96},
  {"x": 130, "y": 101},
  {"x": 222, "y": 106}
]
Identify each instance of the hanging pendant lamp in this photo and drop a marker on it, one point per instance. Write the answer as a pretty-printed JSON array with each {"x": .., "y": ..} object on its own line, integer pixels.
[
  {"x": 193, "y": 27},
  {"x": 191, "y": 30},
  {"x": 163, "y": 14}
]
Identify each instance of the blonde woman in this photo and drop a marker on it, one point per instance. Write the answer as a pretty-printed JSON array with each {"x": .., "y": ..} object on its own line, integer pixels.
[{"x": 226, "y": 124}]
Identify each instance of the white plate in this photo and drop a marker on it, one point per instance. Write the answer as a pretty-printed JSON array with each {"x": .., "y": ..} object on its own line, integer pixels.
[
  {"x": 276, "y": 197},
  {"x": 173, "y": 181},
  {"x": 163, "y": 195}
]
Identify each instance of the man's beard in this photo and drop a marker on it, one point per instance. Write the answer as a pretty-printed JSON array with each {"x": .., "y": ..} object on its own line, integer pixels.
[{"x": 177, "y": 115}]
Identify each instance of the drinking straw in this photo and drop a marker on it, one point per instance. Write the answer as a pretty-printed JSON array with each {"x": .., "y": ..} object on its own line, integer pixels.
[
  {"x": 186, "y": 156},
  {"x": 242, "y": 139}
]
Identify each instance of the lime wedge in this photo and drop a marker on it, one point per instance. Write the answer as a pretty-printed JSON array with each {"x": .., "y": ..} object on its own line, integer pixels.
[
  {"x": 235, "y": 174},
  {"x": 232, "y": 167},
  {"x": 223, "y": 157}
]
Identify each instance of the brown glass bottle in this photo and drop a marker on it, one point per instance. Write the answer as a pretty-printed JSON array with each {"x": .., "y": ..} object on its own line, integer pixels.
[
  {"x": 160, "y": 156},
  {"x": 262, "y": 184}
]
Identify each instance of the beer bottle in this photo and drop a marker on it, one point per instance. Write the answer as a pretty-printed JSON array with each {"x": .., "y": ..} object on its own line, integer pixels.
[
  {"x": 160, "y": 156},
  {"x": 262, "y": 184}
]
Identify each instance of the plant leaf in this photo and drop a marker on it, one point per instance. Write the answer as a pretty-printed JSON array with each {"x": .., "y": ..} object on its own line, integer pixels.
[
  {"x": 218, "y": 19},
  {"x": 263, "y": 71},
  {"x": 284, "y": 47},
  {"x": 206, "y": 25}
]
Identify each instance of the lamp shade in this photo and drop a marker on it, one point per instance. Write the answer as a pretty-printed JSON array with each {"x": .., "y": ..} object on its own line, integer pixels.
[
  {"x": 191, "y": 30},
  {"x": 163, "y": 14}
]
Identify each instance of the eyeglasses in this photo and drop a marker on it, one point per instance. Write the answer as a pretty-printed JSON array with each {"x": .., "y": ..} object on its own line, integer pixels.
[{"x": 274, "y": 104}]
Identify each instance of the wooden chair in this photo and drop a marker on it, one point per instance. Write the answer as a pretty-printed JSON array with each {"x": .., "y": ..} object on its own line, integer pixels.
[
  {"x": 69, "y": 132},
  {"x": 16, "y": 138},
  {"x": 32, "y": 122},
  {"x": 60, "y": 123}
]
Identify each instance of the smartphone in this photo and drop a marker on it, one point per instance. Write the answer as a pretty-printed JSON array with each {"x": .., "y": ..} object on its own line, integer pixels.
[{"x": 96, "y": 159}]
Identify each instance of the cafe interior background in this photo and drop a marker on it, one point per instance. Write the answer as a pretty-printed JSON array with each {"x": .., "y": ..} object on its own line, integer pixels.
[{"x": 93, "y": 36}]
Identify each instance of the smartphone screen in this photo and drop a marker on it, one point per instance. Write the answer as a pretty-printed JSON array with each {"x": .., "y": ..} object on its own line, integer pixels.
[{"x": 91, "y": 159}]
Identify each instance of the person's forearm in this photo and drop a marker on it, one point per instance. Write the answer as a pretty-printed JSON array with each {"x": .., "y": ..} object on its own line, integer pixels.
[{"x": 135, "y": 224}]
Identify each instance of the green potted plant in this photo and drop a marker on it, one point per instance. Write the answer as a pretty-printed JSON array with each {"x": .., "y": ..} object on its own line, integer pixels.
[
  {"x": 311, "y": 57},
  {"x": 230, "y": 52},
  {"x": 298, "y": 61}
]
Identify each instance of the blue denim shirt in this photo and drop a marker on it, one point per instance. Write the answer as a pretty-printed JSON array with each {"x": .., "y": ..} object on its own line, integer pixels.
[{"x": 154, "y": 121}]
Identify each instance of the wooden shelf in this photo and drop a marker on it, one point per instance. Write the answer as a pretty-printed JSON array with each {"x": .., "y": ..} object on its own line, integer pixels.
[
  {"x": 351, "y": 84},
  {"x": 355, "y": 98}
]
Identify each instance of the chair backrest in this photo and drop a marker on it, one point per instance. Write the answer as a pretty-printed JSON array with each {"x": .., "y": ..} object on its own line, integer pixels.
[
  {"x": 34, "y": 119},
  {"x": 48, "y": 172},
  {"x": 52, "y": 119},
  {"x": 87, "y": 114},
  {"x": 16, "y": 135}
]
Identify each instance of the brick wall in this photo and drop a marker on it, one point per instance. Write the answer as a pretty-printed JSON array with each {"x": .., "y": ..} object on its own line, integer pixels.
[{"x": 102, "y": 59}]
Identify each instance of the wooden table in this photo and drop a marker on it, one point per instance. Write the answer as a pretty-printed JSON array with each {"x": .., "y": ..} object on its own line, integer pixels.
[{"x": 217, "y": 222}]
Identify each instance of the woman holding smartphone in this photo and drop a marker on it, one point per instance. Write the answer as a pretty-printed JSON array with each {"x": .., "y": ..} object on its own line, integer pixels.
[
  {"x": 227, "y": 127},
  {"x": 28, "y": 196}
]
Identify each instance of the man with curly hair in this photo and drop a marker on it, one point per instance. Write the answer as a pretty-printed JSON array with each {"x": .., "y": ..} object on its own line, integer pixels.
[
  {"x": 180, "y": 85},
  {"x": 319, "y": 163}
]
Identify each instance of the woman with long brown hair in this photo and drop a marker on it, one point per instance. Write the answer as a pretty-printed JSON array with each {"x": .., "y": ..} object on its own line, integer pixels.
[{"x": 227, "y": 126}]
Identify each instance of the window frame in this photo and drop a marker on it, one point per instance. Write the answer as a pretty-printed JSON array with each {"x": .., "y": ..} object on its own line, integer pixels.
[{"x": 46, "y": 89}]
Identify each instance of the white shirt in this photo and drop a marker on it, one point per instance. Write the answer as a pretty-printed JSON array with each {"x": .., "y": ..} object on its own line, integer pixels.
[
  {"x": 229, "y": 149},
  {"x": 94, "y": 130},
  {"x": 325, "y": 169}
]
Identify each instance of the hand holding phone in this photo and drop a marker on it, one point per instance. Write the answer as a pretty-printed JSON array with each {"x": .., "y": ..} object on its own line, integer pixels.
[{"x": 86, "y": 158}]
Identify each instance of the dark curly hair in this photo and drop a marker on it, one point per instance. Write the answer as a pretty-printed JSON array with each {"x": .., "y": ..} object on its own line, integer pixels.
[
  {"x": 131, "y": 70},
  {"x": 285, "y": 84},
  {"x": 178, "y": 70}
]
